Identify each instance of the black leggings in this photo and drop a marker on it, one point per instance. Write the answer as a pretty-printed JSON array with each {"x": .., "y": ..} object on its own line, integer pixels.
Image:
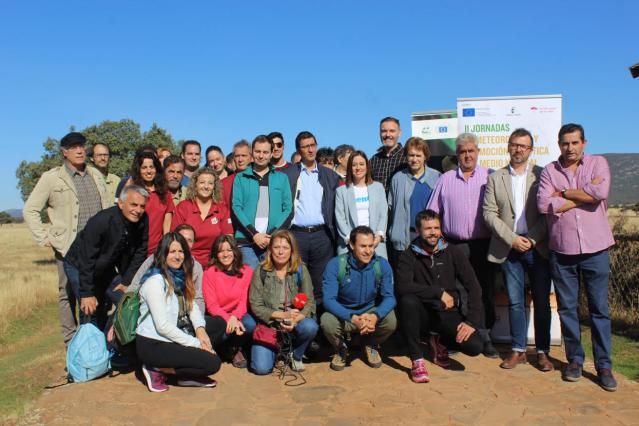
[
  {"x": 418, "y": 319},
  {"x": 187, "y": 361}
]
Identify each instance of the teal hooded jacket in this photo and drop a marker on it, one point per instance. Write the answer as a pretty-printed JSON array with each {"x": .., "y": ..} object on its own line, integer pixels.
[{"x": 246, "y": 190}]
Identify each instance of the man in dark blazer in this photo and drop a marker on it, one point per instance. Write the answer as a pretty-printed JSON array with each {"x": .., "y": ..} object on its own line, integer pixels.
[
  {"x": 519, "y": 244},
  {"x": 312, "y": 220}
]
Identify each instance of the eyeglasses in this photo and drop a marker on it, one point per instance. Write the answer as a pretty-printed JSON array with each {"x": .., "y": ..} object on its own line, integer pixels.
[
  {"x": 519, "y": 146},
  {"x": 309, "y": 146},
  {"x": 278, "y": 144},
  {"x": 102, "y": 155}
]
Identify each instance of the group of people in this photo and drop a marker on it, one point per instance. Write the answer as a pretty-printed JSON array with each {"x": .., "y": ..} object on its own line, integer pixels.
[{"x": 247, "y": 257}]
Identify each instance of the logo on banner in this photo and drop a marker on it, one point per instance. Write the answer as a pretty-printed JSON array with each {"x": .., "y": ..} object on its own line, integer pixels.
[
  {"x": 468, "y": 112},
  {"x": 443, "y": 129},
  {"x": 426, "y": 130}
]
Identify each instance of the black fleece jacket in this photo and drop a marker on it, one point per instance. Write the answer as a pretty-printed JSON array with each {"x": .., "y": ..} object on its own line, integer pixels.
[
  {"x": 107, "y": 246},
  {"x": 428, "y": 276}
]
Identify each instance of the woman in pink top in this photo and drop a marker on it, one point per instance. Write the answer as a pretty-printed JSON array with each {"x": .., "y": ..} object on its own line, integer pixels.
[{"x": 225, "y": 287}]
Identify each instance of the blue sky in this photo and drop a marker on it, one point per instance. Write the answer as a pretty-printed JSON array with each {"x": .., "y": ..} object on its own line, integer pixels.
[{"x": 222, "y": 71}]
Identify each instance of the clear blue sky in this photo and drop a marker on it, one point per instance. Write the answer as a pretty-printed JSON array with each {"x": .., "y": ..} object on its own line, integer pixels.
[{"x": 222, "y": 71}]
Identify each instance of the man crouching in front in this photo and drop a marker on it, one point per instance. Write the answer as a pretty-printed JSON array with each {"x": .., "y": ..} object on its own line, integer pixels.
[
  {"x": 429, "y": 301},
  {"x": 358, "y": 298}
]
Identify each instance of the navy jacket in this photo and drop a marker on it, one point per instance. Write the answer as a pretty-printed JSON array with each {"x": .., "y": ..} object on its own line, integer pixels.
[{"x": 329, "y": 181}]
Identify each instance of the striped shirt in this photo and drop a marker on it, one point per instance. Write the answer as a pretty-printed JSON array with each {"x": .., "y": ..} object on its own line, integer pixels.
[
  {"x": 89, "y": 201},
  {"x": 583, "y": 229},
  {"x": 459, "y": 203},
  {"x": 384, "y": 166}
]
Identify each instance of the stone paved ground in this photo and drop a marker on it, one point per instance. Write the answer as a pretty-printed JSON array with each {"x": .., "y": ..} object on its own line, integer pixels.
[{"x": 475, "y": 391}]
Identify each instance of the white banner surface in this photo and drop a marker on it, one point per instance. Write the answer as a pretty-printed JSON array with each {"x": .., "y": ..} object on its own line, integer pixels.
[{"x": 494, "y": 119}]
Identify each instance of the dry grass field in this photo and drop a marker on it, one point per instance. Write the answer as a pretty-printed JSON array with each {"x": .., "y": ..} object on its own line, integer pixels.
[
  {"x": 623, "y": 220},
  {"x": 31, "y": 349},
  {"x": 28, "y": 275}
]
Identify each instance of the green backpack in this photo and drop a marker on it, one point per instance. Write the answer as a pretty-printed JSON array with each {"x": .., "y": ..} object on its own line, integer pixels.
[
  {"x": 126, "y": 317},
  {"x": 344, "y": 268}
]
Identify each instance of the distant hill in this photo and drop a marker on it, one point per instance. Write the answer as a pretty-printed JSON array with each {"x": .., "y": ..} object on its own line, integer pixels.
[
  {"x": 15, "y": 213},
  {"x": 625, "y": 178}
]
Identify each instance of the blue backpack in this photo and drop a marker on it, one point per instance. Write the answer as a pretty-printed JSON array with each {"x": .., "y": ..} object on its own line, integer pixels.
[{"x": 87, "y": 355}]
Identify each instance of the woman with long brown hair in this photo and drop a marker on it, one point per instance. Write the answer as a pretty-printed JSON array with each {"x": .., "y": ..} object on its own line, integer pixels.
[
  {"x": 171, "y": 334},
  {"x": 225, "y": 288},
  {"x": 147, "y": 172},
  {"x": 276, "y": 282}
]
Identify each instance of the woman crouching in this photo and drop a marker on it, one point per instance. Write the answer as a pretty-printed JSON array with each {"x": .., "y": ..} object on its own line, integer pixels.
[
  {"x": 171, "y": 335},
  {"x": 275, "y": 284}
]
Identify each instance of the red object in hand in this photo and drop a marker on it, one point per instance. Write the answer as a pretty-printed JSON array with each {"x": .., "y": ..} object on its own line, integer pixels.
[{"x": 300, "y": 300}]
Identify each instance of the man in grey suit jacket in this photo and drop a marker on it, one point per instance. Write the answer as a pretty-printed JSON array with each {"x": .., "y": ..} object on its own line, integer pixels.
[{"x": 519, "y": 244}]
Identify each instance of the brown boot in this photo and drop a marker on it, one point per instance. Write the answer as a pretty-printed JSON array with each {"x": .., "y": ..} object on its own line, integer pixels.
[
  {"x": 513, "y": 359},
  {"x": 543, "y": 363}
]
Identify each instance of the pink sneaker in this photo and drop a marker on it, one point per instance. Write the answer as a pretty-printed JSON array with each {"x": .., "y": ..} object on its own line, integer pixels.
[
  {"x": 155, "y": 380},
  {"x": 439, "y": 352},
  {"x": 418, "y": 373}
]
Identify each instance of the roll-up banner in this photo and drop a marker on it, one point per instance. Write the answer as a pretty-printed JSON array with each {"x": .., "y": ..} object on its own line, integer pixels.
[{"x": 494, "y": 119}]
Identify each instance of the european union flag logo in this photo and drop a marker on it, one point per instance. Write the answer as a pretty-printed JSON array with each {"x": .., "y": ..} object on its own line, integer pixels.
[
  {"x": 468, "y": 112},
  {"x": 443, "y": 129}
]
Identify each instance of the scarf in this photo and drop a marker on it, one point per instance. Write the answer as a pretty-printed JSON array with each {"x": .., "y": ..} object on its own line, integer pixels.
[{"x": 177, "y": 276}]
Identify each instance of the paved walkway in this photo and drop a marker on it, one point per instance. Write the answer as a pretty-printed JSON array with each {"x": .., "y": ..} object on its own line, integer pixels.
[{"x": 476, "y": 391}]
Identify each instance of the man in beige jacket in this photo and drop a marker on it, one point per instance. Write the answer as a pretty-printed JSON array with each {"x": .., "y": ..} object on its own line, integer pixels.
[
  {"x": 72, "y": 193},
  {"x": 519, "y": 244}
]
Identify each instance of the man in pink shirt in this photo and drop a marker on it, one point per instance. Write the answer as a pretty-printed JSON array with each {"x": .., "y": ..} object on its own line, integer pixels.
[{"x": 573, "y": 193}]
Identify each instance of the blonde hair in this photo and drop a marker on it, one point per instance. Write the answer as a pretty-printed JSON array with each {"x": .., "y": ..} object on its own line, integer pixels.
[
  {"x": 191, "y": 190},
  {"x": 294, "y": 261}
]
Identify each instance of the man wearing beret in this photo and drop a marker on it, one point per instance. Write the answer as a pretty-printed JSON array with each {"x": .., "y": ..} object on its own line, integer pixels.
[{"x": 71, "y": 193}]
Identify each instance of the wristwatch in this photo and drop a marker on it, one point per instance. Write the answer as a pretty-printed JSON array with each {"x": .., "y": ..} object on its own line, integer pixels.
[{"x": 563, "y": 193}]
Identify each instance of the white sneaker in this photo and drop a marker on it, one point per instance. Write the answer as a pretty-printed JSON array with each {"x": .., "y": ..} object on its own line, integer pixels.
[{"x": 296, "y": 365}]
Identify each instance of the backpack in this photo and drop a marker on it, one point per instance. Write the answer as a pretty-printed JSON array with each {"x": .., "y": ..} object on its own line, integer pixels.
[
  {"x": 344, "y": 267},
  {"x": 87, "y": 355},
  {"x": 126, "y": 318}
]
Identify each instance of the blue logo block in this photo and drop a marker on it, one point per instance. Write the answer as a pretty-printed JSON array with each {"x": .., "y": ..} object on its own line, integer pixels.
[
  {"x": 468, "y": 112},
  {"x": 443, "y": 129}
]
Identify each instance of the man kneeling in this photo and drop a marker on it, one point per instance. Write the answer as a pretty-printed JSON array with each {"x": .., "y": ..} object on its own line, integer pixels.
[
  {"x": 358, "y": 298},
  {"x": 429, "y": 298}
]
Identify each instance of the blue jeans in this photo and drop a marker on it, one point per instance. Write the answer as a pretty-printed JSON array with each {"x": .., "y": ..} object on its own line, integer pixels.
[
  {"x": 594, "y": 268},
  {"x": 514, "y": 268},
  {"x": 103, "y": 287},
  {"x": 252, "y": 255},
  {"x": 249, "y": 326},
  {"x": 263, "y": 358}
]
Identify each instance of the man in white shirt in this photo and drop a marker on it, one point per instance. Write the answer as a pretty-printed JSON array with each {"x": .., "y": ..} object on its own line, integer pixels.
[{"x": 519, "y": 244}]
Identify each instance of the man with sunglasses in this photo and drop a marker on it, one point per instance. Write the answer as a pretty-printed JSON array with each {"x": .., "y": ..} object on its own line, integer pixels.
[{"x": 277, "y": 160}]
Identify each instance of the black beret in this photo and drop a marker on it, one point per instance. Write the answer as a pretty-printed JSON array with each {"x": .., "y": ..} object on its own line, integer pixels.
[{"x": 73, "y": 138}]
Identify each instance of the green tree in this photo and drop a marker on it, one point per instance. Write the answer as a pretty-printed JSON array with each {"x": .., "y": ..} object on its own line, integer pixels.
[
  {"x": 159, "y": 138},
  {"x": 29, "y": 172},
  {"x": 5, "y": 218},
  {"x": 123, "y": 138}
]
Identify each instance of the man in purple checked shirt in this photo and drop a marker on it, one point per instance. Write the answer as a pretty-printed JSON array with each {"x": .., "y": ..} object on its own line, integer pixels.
[
  {"x": 573, "y": 193},
  {"x": 458, "y": 198}
]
